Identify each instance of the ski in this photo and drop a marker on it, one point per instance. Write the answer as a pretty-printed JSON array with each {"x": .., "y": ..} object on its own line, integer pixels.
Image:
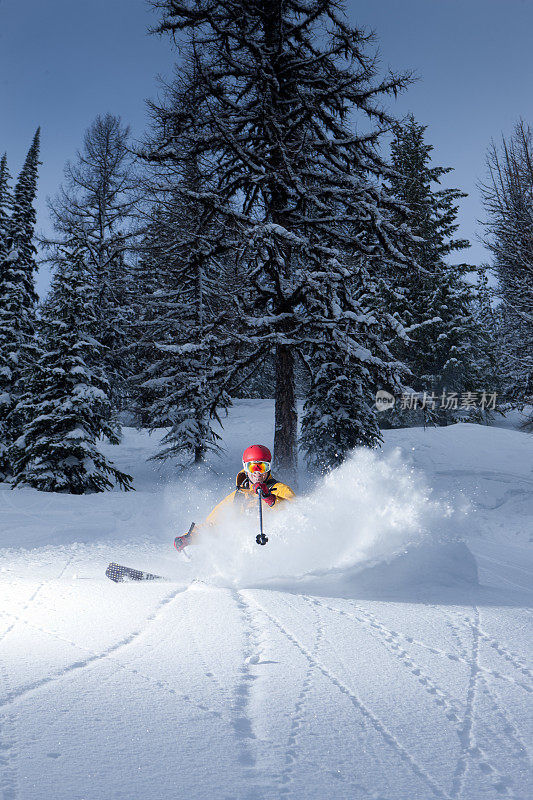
[{"x": 118, "y": 574}]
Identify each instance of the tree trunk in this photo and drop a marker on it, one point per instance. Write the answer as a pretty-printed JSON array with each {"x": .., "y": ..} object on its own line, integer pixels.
[
  {"x": 277, "y": 99},
  {"x": 286, "y": 417}
]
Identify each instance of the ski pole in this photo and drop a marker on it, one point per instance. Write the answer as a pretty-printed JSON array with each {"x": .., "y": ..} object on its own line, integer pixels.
[
  {"x": 261, "y": 538},
  {"x": 184, "y": 553}
]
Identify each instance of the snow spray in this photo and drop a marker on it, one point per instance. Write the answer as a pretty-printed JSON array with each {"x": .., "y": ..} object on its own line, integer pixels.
[{"x": 366, "y": 511}]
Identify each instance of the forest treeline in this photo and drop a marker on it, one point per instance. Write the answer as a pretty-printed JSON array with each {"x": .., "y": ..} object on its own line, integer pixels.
[{"x": 276, "y": 233}]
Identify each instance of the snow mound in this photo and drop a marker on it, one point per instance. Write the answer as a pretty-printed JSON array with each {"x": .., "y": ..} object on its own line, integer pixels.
[
  {"x": 373, "y": 515},
  {"x": 426, "y": 565}
]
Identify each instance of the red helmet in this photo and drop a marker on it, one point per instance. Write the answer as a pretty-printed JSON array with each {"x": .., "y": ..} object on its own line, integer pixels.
[{"x": 257, "y": 452}]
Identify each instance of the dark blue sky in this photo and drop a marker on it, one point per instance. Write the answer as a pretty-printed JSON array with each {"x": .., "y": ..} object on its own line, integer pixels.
[{"x": 62, "y": 62}]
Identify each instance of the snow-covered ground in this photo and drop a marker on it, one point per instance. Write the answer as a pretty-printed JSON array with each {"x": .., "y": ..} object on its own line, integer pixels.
[{"x": 363, "y": 653}]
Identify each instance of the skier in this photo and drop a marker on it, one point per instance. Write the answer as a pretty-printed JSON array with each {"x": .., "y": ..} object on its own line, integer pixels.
[{"x": 254, "y": 476}]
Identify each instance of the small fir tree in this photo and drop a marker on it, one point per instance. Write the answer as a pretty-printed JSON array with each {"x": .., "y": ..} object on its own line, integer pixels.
[{"x": 173, "y": 334}]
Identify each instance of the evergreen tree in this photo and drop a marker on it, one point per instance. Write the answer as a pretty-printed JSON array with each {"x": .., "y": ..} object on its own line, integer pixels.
[
  {"x": 141, "y": 350},
  {"x": 5, "y": 400},
  {"x": 67, "y": 404},
  {"x": 17, "y": 302},
  {"x": 175, "y": 332},
  {"x": 436, "y": 303},
  {"x": 6, "y": 203},
  {"x": 299, "y": 186},
  {"x": 184, "y": 289},
  {"x": 339, "y": 412},
  {"x": 508, "y": 200}
]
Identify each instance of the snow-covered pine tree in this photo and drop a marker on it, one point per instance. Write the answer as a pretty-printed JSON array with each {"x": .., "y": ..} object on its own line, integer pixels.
[
  {"x": 95, "y": 206},
  {"x": 184, "y": 290},
  {"x": 67, "y": 405},
  {"x": 508, "y": 201},
  {"x": 174, "y": 333},
  {"x": 279, "y": 81},
  {"x": 21, "y": 228},
  {"x": 6, "y": 204},
  {"x": 141, "y": 350},
  {"x": 436, "y": 303},
  {"x": 339, "y": 412},
  {"x": 17, "y": 301}
]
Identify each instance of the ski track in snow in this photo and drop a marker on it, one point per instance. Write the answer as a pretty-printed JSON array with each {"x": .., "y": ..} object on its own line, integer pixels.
[
  {"x": 21, "y": 693},
  {"x": 503, "y": 784},
  {"x": 511, "y": 658},
  {"x": 8, "y": 747},
  {"x": 391, "y": 640},
  {"x": 302, "y": 705},
  {"x": 241, "y": 719},
  {"x": 507, "y": 730},
  {"x": 8, "y": 738},
  {"x": 394, "y": 636},
  {"x": 34, "y": 595},
  {"x": 374, "y": 665},
  {"x": 360, "y": 707},
  {"x": 456, "y": 712},
  {"x": 95, "y": 657},
  {"x": 297, "y": 717},
  {"x": 466, "y": 731}
]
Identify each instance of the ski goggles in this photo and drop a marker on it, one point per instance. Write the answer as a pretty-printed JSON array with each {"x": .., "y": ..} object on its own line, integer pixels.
[{"x": 262, "y": 467}]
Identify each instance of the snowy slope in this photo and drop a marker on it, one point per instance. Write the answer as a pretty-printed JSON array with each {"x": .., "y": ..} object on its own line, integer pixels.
[{"x": 356, "y": 656}]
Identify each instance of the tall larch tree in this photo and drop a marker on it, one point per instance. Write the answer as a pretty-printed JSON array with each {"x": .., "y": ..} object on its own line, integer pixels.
[
  {"x": 280, "y": 82},
  {"x": 95, "y": 207}
]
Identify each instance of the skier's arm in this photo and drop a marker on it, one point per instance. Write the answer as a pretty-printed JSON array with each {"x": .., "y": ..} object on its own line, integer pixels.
[
  {"x": 180, "y": 542},
  {"x": 211, "y": 518},
  {"x": 282, "y": 492}
]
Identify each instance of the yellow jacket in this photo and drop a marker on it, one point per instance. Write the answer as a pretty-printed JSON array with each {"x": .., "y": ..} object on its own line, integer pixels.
[{"x": 246, "y": 499}]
